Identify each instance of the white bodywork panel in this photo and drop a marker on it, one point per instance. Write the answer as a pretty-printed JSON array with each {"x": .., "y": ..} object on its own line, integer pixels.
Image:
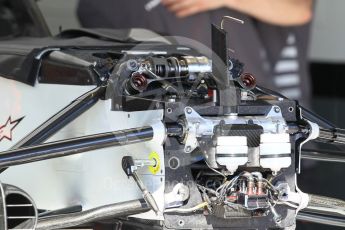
[{"x": 91, "y": 179}]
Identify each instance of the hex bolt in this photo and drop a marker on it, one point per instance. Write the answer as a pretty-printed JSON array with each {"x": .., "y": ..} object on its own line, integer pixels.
[
  {"x": 276, "y": 109},
  {"x": 188, "y": 148},
  {"x": 181, "y": 223},
  {"x": 132, "y": 65},
  {"x": 174, "y": 163}
]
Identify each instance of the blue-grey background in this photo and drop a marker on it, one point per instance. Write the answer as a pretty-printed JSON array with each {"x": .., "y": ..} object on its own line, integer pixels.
[{"x": 328, "y": 30}]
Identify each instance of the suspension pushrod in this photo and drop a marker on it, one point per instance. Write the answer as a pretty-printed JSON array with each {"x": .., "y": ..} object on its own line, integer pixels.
[{"x": 74, "y": 146}]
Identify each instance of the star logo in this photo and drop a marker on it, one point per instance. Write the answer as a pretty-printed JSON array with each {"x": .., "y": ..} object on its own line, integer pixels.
[{"x": 6, "y": 129}]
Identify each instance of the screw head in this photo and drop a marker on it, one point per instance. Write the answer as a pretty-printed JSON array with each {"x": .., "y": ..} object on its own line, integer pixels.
[
  {"x": 174, "y": 163},
  {"x": 189, "y": 110},
  {"x": 277, "y": 219},
  {"x": 276, "y": 109},
  {"x": 181, "y": 223}
]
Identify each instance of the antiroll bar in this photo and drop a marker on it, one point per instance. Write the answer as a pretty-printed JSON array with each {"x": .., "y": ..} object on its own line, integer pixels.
[{"x": 75, "y": 146}]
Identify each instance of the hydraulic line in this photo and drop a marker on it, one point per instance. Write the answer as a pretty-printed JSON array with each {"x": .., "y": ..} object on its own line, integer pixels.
[{"x": 187, "y": 210}]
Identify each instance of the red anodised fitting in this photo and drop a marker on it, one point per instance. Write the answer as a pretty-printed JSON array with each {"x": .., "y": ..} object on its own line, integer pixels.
[
  {"x": 250, "y": 183},
  {"x": 260, "y": 184},
  {"x": 247, "y": 81}
]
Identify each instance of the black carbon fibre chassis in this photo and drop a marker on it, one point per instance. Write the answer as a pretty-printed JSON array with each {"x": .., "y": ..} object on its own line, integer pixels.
[{"x": 183, "y": 174}]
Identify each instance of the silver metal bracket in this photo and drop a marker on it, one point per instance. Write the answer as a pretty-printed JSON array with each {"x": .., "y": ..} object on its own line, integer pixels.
[{"x": 196, "y": 126}]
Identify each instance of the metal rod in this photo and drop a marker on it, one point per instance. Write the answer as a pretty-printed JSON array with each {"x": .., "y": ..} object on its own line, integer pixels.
[
  {"x": 92, "y": 215},
  {"x": 332, "y": 136},
  {"x": 75, "y": 146},
  {"x": 232, "y": 19},
  {"x": 62, "y": 211},
  {"x": 62, "y": 118},
  {"x": 311, "y": 116},
  {"x": 174, "y": 130},
  {"x": 320, "y": 219},
  {"x": 323, "y": 155},
  {"x": 330, "y": 205}
]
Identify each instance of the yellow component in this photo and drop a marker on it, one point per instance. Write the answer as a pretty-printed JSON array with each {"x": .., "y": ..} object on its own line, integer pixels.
[{"x": 155, "y": 169}]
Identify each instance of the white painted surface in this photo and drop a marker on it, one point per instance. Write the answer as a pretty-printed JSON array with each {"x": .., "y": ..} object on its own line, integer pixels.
[{"x": 91, "y": 179}]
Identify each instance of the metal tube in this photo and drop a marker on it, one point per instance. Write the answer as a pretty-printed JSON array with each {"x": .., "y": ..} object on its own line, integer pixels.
[
  {"x": 323, "y": 155},
  {"x": 68, "y": 59},
  {"x": 75, "y": 146},
  {"x": 62, "y": 211},
  {"x": 321, "y": 219},
  {"x": 332, "y": 205},
  {"x": 313, "y": 117},
  {"x": 62, "y": 118},
  {"x": 92, "y": 215},
  {"x": 142, "y": 163},
  {"x": 174, "y": 130},
  {"x": 332, "y": 136}
]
